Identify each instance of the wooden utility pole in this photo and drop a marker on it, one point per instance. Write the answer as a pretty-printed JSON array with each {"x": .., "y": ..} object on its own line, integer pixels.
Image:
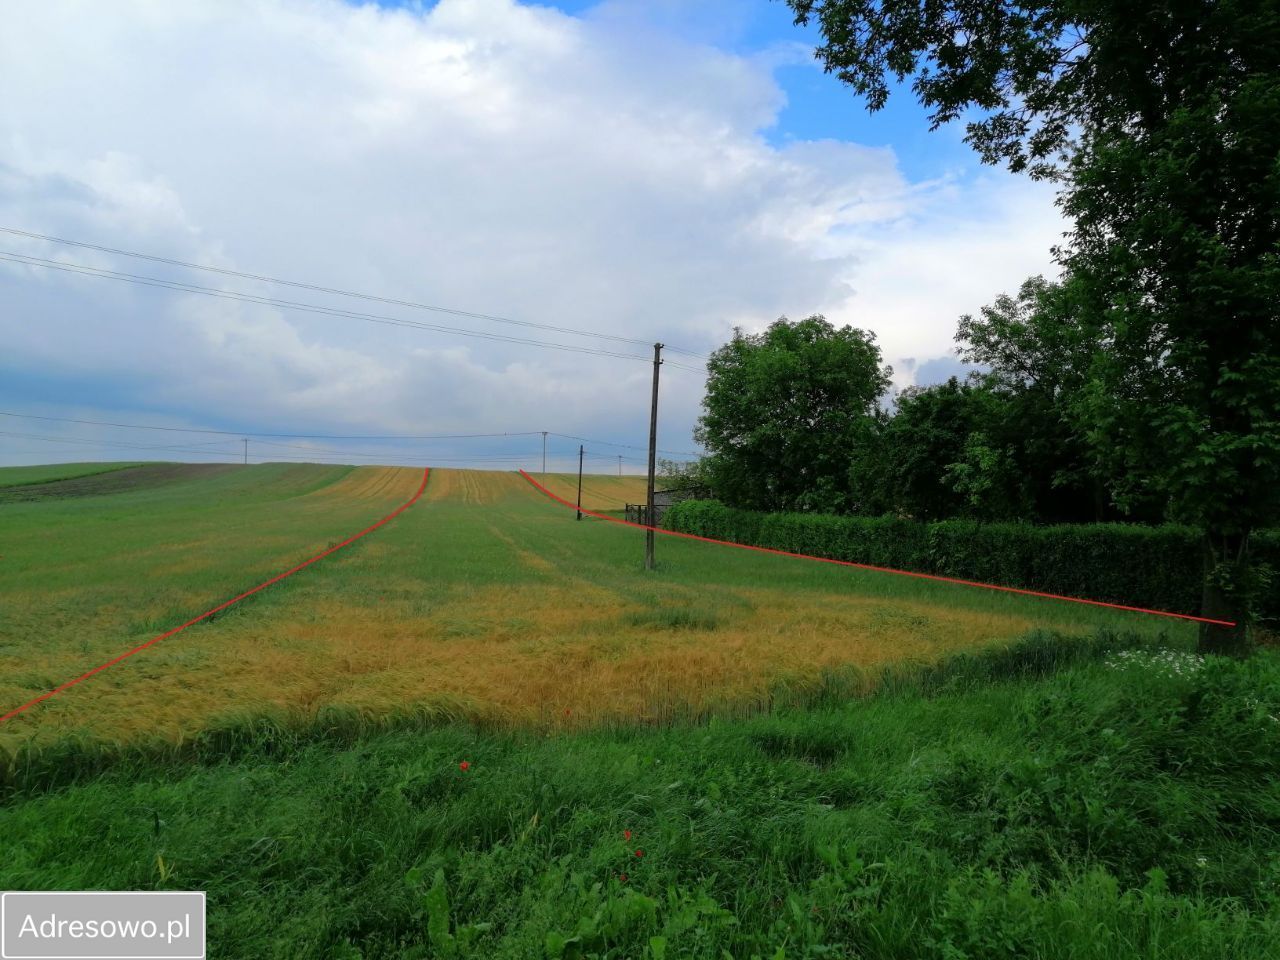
[
  {"x": 246, "y": 451},
  {"x": 619, "y": 464},
  {"x": 579, "y": 481},
  {"x": 653, "y": 457},
  {"x": 544, "y": 453}
]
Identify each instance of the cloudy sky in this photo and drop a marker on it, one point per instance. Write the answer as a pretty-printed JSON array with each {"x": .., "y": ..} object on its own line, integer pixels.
[{"x": 639, "y": 170}]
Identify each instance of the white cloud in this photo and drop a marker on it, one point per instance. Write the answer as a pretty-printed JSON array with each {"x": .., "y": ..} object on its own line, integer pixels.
[
  {"x": 507, "y": 159},
  {"x": 916, "y": 275}
]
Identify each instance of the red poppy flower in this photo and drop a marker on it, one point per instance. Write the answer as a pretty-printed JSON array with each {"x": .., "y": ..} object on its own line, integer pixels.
[
  {"x": 464, "y": 765},
  {"x": 622, "y": 878},
  {"x": 639, "y": 853},
  {"x": 626, "y": 834}
]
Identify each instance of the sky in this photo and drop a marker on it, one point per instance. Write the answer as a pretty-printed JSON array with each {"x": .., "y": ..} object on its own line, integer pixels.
[{"x": 629, "y": 170}]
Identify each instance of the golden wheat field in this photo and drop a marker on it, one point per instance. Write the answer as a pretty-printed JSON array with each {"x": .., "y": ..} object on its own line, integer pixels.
[{"x": 485, "y": 600}]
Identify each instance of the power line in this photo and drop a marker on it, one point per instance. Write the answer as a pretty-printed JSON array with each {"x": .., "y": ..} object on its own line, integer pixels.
[
  {"x": 91, "y": 441},
  {"x": 181, "y": 287},
  {"x": 274, "y": 436},
  {"x": 396, "y": 456},
  {"x": 625, "y": 446},
  {"x": 122, "y": 444},
  {"x": 326, "y": 436},
  {"x": 683, "y": 366},
  {"x": 317, "y": 456},
  {"x": 316, "y": 453},
  {"x": 203, "y": 448},
  {"x": 335, "y": 290}
]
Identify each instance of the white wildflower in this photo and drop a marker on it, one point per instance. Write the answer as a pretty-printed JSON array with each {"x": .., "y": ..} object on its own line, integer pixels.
[{"x": 1164, "y": 663}]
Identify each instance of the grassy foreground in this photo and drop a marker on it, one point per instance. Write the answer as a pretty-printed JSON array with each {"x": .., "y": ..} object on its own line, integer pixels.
[{"x": 1035, "y": 802}]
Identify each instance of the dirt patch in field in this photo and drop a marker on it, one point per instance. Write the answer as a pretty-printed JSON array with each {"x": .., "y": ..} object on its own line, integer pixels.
[{"x": 117, "y": 481}]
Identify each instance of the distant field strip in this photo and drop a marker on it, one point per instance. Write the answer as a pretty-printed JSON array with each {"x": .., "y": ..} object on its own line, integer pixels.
[
  {"x": 349, "y": 486},
  {"x": 46, "y": 473},
  {"x": 866, "y": 566},
  {"x": 598, "y": 492}
]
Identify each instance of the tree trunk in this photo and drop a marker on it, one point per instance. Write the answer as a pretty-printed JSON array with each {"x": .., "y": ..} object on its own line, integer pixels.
[{"x": 1226, "y": 595}]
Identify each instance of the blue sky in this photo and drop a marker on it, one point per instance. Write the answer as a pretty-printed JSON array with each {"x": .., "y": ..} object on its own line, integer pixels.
[
  {"x": 647, "y": 169},
  {"x": 818, "y": 106}
]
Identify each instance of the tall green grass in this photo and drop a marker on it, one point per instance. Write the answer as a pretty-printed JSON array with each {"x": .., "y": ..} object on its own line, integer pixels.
[{"x": 1070, "y": 798}]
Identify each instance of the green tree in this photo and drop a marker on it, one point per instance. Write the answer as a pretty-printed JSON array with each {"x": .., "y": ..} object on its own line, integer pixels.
[
  {"x": 1031, "y": 341},
  {"x": 928, "y": 461},
  {"x": 680, "y": 474},
  {"x": 1038, "y": 356},
  {"x": 1159, "y": 118},
  {"x": 786, "y": 412}
]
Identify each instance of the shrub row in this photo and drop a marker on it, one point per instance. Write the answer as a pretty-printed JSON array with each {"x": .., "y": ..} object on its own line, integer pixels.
[{"x": 1155, "y": 567}]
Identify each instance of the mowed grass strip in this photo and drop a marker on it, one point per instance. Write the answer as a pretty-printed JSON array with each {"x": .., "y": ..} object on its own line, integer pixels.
[
  {"x": 486, "y": 602},
  {"x": 88, "y": 578}
]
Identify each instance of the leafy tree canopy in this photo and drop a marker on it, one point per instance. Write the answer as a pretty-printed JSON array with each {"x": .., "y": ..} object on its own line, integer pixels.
[
  {"x": 787, "y": 410},
  {"x": 1159, "y": 118}
]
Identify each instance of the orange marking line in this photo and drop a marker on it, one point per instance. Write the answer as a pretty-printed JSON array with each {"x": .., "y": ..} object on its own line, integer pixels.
[
  {"x": 222, "y": 606},
  {"x": 867, "y": 566}
]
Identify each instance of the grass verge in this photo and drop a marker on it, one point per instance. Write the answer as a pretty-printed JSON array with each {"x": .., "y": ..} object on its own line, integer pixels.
[{"x": 1063, "y": 797}]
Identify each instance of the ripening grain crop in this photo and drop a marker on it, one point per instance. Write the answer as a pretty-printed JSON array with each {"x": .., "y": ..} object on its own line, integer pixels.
[{"x": 485, "y": 600}]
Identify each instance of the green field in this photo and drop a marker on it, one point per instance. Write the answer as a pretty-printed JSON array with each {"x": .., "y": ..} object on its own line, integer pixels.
[
  {"x": 45, "y": 473},
  {"x": 738, "y": 755},
  {"x": 486, "y": 601}
]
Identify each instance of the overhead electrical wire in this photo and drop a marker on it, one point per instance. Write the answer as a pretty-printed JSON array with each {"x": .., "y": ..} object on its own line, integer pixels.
[
  {"x": 336, "y": 291},
  {"x": 625, "y": 446},
  {"x": 315, "y": 453},
  {"x": 236, "y": 455},
  {"x": 124, "y": 445},
  {"x": 349, "y": 453},
  {"x": 324, "y": 436},
  {"x": 202, "y": 449},
  {"x": 179, "y": 286},
  {"x": 274, "y": 436}
]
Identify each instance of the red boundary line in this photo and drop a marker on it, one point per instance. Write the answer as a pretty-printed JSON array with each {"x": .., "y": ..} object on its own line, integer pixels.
[
  {"x": 867, "y": 566},
  {"x": 222, "y": 606}
]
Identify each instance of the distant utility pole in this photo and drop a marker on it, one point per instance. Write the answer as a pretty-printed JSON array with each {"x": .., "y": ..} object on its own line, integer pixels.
[
  {"x": 653, "y": 456},
  {"x": 579, "y": 481},
  {"x": 544, "y": 452},
  {"x": 246, "y": 451},
  {"x": 619, "y": 464}
]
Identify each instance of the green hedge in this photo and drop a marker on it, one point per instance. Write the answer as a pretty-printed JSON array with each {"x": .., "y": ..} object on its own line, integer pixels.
[{"x": 1155, "y": 567}]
